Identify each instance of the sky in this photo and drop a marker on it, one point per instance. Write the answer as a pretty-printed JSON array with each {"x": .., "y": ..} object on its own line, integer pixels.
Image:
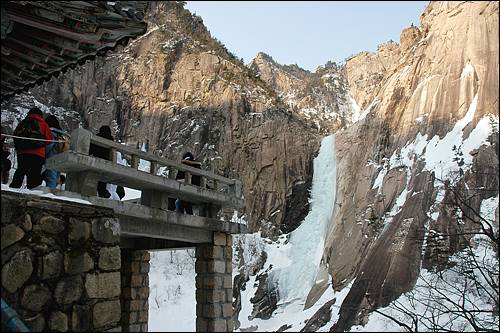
[{"x": 306, "y": 33}]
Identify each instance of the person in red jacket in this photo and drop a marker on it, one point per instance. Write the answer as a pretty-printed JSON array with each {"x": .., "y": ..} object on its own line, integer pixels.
[{"x": 31, "y": 160}]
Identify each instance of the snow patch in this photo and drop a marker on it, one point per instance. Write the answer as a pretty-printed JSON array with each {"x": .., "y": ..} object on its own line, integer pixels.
[
  {"x": 356, "y": 110},
  {"x": 428, "y": 297},
  {"x": 468, "y": 69},
  {"x": 487, "y": 211},
  {"x": 41, "y": 193}
]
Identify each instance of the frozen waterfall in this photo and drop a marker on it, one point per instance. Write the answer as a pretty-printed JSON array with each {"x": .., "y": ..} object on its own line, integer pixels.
[{"x": 306, "y": 243}]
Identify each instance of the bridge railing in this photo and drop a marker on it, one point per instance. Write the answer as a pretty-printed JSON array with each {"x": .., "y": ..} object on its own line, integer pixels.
[{"x": 83, "y": 171}]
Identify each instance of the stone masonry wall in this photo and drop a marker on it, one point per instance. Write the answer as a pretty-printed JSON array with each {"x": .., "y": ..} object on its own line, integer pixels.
[
  {"x": 60, "y": 264},
  {"x": 214, "y": 291},
  {"x": 135, "y": 290}
]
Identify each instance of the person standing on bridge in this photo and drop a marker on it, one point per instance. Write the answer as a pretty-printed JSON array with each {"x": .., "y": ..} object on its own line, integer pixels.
[
  {"x": 180, "y": 205},
  {"x": 31, "y": 136},
  {"x": 104, "y": 153},
  {"x": 51, "y": 177},
  {"x": 106, "y": 190}
]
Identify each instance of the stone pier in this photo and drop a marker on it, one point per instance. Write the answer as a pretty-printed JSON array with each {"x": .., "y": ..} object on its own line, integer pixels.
[
  {"x": 76, "y": 266},
  {"x": 135, "y": 290},
  {"x": 61, "y": 264},
  {"x": 214, "y": 290}
]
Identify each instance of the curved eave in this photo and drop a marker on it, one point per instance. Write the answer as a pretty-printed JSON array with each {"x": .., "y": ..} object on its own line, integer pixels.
[{"x": 42, "y": 39}]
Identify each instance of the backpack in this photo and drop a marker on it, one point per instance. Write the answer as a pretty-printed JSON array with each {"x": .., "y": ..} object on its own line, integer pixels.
[
  {"x": 60, "y": 147},
  {"x": 29, "y": 128}
]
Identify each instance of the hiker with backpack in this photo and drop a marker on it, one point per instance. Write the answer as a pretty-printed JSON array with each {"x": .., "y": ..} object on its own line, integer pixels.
[
  {"x": 31, "y": 136},
  {"x": 51, "y": 177}
]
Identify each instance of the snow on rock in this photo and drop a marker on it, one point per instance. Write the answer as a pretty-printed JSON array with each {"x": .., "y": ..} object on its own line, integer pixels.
[
  {"x": 292, "y": 313},
  {"x": 41, "y": 193},
  {"x": 435, "y": 310},
  {"x": 468, "y": 69},
  {"x": 440, "y": 154},
  {"x": 368, "y": 109},
  {"x": 487, "y": 212},
  {"x": 356, "y": 110}
]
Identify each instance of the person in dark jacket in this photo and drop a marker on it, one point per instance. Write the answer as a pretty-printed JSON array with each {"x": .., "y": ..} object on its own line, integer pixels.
[
  {"x": 180, "y": 205},
  {"x": 104, "y": 153},
  {"x": 51, "y": 177},
  {"x": 31, "y": 160}
]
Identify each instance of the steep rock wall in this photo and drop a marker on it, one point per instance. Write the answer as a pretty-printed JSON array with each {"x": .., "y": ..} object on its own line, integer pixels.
[{"x": 376, "y": 235}]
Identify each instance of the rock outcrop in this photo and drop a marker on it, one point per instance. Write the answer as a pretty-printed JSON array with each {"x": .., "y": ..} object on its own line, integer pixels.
[
  {"x": 320, "y": 98},
  {"x": 365, "y": 72}
]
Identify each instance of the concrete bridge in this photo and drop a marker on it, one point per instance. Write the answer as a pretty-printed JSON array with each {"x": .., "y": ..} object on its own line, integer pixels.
[{"x": 101, "y": 246}]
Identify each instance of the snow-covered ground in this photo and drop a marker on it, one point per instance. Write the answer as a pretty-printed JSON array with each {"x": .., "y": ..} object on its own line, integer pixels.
[{"x": 172, "y": 303}]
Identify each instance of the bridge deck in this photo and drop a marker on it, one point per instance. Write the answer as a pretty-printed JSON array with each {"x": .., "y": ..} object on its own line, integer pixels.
[
  {"x": 108, "y": 171},
  {"x": 150, "y": 223}
]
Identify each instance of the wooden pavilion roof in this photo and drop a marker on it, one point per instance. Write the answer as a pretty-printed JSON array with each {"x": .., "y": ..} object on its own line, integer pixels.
[{"x": 41, "y": 39}]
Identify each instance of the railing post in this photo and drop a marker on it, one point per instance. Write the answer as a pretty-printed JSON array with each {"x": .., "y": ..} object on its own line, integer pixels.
[
  {"x": 112, "y": 157},
  {"x": 236, "y": 188},
  {"x": 172, "y": 172},
  {"x": 153, "y": 168},
  {"x": 84, "y": 182},
  {"x": 155, "y": 199},
  {"x": 80, "y": 141},
  {"x": 187, "y": 177},
  {"x": 135, "y": 162}
]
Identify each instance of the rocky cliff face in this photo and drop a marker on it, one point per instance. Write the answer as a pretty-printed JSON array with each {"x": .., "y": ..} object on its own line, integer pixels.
[
  {"x": 365, "y": 72},
  {"x": 177, "y": 89},
  {"x": 320, "y": 98},
  {"x": 434, "y": 97}
]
